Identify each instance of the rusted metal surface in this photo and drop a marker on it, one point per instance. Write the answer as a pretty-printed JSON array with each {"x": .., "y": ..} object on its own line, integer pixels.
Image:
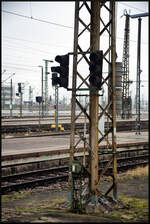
[
  {"x": 92, "y": 113},
  {"x": 94, "y": 100},
  {"x": 74, "y": 80}
]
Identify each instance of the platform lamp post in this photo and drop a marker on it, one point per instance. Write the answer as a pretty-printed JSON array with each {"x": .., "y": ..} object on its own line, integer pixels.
[
  {"x": 46, "y": 85},
  {"x": 11, "y": 96},
  {"x": 39, "y": 100},
  {"x": 56, "y": 107},
  {"x": 138, "y": 77}
]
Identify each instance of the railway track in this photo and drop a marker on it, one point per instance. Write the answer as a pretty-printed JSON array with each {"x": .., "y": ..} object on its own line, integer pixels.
[
  {"x": 52, "y": 175},
  {"x": 34, "y": 178},
  {"x": 28, "y": 128},
  {"x": 36, "y": 118}
]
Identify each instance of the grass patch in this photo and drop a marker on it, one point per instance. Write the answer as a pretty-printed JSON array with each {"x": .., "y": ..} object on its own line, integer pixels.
[
  {"x": 137, "y": 209},
  {"x": 43, "y": 206},
  {"x": 139, "y": 172},
  {"x": 134, "y": 202},
  {"x": 18, "y": 195}
]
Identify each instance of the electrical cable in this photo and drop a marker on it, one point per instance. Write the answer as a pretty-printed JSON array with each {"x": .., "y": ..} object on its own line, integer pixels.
[
  {"x": 29, "y": 48},
  {"x": 35, "y": 42},
  {"x": 121, "y": 38},
  {"x": 40, "y": 20},
  {"x": 22, "y": 65},
  {"x": 7, "y": 66},
  {"x": 56, "y": 24},
  {"x": 133, "y": 7},
  {"x": 18, "y": 56}
]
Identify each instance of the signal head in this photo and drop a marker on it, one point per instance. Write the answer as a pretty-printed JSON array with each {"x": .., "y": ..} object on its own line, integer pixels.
[{"x": 62, "y": 59}]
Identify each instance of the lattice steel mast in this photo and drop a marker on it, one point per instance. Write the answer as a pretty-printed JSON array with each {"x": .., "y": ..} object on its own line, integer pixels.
[
  {"x": 97, "y": 27},
  {"x": 126, "y": 99},
  {"x": 138, "y": 80}
]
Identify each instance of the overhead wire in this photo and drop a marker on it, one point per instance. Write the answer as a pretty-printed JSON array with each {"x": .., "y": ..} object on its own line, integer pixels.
[
  {"x": 35, "y": 42},
  {"x": 18, "y": 56},
  {"x": 8, "y": 53},
  {"x": 14, "y": 67},
  {"x": 28, "y": 48},
  {"x": 140, "y": 10},
  {"x": 28, "y": 17},
  {"x": 57, "y": 24},
  {"x": 34, "y": 66},
  {"x": 40, "y": 20}
]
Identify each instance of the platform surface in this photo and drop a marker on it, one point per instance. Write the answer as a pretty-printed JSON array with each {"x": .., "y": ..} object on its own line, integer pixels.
[{"x": 11, "y": 146}]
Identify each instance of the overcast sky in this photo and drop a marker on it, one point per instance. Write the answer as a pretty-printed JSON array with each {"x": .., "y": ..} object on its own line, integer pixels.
[{"x": 26, "y": 42}]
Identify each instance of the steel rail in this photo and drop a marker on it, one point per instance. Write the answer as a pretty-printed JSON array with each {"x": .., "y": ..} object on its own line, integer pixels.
[
  {"x": 99, "y": 153},
  {"x": 53, "y": 175},
  {"x": 121, "y": 126}
]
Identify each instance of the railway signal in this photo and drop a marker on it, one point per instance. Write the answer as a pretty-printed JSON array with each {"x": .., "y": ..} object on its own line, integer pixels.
[
  {"x": 38, "y": 99},
  {"x": 96, "y": 64},
  {"x": 62, "y": 70},
  {"x": 54, "y": 79},
  {"x": 20, "y": 93},
  {"x": 19, "y": 87}
]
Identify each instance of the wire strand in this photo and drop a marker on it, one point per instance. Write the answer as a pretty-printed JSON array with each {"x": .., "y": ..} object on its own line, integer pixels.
[
  {"x": 133, "y": 7},
  {"x": 40, "y": 20}
]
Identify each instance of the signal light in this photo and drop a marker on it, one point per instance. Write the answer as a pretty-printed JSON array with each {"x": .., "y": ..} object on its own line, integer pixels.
[
  {"x": 19, "y": 87},
  {"x": 63, "y": 70},
  {"x": 54, "y": 79},
  {"x": 96, "y": 65},
  {"x": 38, "y": 99}
]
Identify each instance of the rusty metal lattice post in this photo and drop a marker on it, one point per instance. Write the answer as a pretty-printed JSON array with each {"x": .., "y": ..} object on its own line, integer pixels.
[
  {"x": 93, "y": 135},
  {"x": 126, "y": 98},
  {"x": 73, "y": 105},
  {"x": 96, "y": 27}
]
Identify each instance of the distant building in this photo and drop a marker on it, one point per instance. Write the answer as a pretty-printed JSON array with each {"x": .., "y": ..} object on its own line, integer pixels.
[{"x": 6, "y": 96}]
